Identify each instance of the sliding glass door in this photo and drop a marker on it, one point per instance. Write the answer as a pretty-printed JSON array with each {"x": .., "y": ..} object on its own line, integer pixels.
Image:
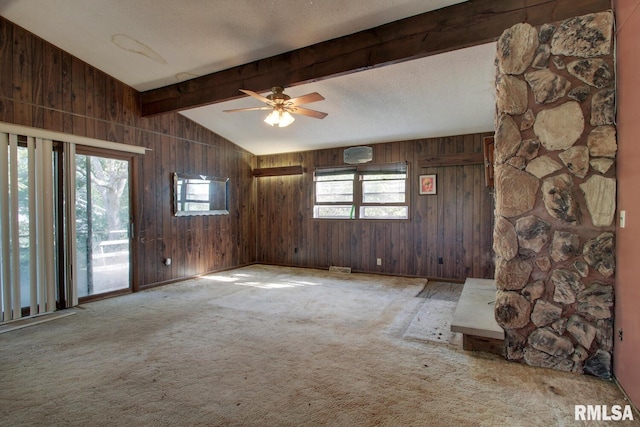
[
  {"x": 65, "y": 220},
  {"x": 103, "y": 218}
]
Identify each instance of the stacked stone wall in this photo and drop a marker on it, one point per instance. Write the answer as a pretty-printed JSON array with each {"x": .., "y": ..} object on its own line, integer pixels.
[{"x": 555, "y": 187}]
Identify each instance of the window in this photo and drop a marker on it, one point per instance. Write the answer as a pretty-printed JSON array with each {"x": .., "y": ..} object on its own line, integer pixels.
[{"x": 362, "y": 192}]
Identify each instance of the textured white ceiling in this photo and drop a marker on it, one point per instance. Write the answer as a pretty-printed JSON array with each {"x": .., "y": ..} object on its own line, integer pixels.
[
  {"x": 429, "y": 97},
  {"x": 152, "y": 43}
]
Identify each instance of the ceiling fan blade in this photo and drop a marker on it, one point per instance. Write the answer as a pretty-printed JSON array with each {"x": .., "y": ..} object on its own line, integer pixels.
[
  {"x": 257, "y": 96},
  {"x": 306, "y": 99},
  {"x": 307, "y": 112},
  {"x": 247, "y": 109}
]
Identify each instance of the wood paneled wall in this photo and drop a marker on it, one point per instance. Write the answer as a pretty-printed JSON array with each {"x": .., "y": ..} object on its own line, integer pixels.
[
  {"x": 456, "y": 224},
  {"x": 44, "y": 87},
  {"x": 271, "y": 217}
]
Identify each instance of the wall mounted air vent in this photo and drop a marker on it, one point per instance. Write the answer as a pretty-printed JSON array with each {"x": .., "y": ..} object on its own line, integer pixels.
[{"x": 357, "y": 155}]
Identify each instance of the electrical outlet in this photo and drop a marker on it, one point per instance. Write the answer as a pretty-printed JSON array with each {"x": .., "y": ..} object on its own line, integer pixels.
[
  {"x": 620, "y": 334},
  {"x": 623, "y": 218},
  {"x": 167, "y": 261},
  {"x": 440, "y": 261},
  {"x": 379, "y": 261}
]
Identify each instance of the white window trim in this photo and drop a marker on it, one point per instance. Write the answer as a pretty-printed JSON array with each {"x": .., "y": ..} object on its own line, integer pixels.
[
  {"x": 357, "y": 202},
  {"x": 74, "y": 139}
]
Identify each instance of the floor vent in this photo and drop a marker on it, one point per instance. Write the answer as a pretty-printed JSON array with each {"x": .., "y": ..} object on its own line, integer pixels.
[{"x": 340, "y": 269}]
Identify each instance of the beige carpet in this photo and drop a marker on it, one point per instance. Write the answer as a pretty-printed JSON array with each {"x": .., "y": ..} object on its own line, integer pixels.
[{"x": 268, "y": 346}]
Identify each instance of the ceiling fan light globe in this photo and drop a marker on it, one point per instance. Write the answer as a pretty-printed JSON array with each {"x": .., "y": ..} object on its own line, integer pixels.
[
  {"x": 285, "y": 119},
  {"x": 273, "y": 118}
]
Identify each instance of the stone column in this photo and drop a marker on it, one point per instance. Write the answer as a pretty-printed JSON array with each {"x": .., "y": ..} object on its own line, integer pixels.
[{"x": 555, "y": 190}]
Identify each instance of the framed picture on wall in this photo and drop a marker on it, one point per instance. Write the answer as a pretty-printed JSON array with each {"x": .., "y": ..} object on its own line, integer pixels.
[{"x": 427, "y": 184}]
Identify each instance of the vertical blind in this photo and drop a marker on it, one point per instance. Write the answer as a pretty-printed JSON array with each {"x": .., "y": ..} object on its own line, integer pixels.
[{"x": 36, "y": 230}]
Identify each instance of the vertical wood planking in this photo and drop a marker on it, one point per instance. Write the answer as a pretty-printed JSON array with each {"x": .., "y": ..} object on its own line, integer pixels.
[
  {"x": 52, "y": 88},
  {"x": 66, "y": 61},
  {"x": 37, "y": 46},
  {"x": 6, "y": 71},
  {"x": 448, "y": 224},
  {"x": 89, "y": 109},
  {"x": 468, "y": 210},
  {"x": 99, "y": 104},
  {"x": 22, "y": 77},
  {"x": 430, "y": 244},
  {"x": 114, "y": 94},
  {"x": 165, "y": 248}
]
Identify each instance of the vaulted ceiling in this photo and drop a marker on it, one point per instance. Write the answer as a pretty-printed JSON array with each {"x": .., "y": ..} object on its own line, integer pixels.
[{"x": 389, "y": 70}]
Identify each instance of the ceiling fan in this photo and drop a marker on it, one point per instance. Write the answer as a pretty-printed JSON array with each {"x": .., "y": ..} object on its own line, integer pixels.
[{"x": 282, "y": 106}]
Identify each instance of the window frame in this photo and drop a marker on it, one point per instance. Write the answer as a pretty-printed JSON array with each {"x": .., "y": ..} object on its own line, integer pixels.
[{"x": 357, "y": 205}]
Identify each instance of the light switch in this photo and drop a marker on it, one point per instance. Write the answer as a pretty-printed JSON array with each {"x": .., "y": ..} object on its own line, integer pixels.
[{"x": 623, "y": 217}]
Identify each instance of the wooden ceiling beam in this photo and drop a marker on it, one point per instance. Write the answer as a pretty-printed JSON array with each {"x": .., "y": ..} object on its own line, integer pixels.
[{"x": 463, "y": 25}]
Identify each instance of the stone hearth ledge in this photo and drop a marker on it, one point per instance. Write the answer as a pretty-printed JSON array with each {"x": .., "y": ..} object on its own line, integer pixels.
[{"x": 474, "y": 314}]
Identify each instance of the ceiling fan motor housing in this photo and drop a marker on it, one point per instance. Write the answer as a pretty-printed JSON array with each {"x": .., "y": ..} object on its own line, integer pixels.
[{"x": 278, "y": 96}]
